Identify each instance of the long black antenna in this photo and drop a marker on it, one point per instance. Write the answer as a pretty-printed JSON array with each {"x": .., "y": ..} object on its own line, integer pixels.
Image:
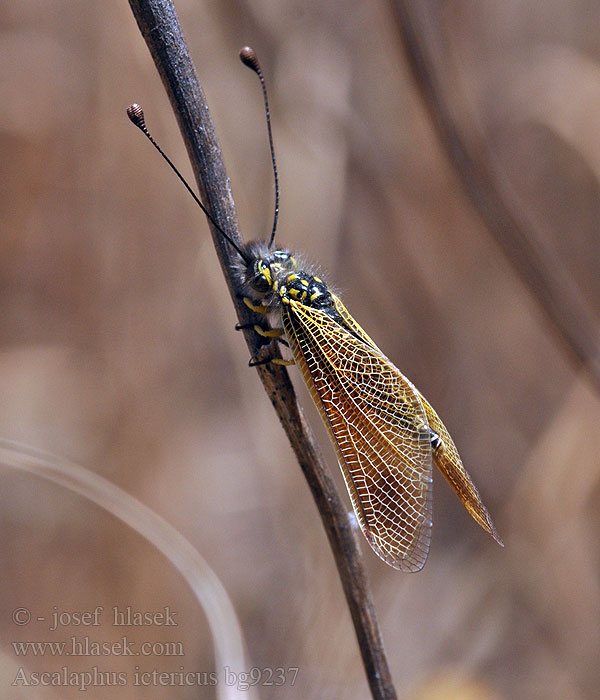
[
  {"x": 136, "y": 115},
  {"x": 249, "y": 58}
]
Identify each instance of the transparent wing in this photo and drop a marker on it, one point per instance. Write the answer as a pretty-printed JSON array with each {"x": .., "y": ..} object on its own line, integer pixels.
[
  {"x": 446, "y": 459},
  {"x": 379, "y": 428}
]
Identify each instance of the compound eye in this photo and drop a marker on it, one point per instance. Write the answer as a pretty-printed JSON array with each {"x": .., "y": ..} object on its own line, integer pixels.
[{"x": 260, "y": 277}]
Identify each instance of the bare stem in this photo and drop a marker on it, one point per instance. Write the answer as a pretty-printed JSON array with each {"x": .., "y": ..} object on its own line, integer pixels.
[
  {"x": 535, "y": 261},
  {"x": 160, "y": 28}
]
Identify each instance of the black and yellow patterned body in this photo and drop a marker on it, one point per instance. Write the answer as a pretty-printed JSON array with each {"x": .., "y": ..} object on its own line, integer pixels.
[{"x": 386, "y": 435}]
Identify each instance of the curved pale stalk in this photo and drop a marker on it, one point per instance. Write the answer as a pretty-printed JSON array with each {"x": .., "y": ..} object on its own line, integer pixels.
[{"x": 210, "y": 593}]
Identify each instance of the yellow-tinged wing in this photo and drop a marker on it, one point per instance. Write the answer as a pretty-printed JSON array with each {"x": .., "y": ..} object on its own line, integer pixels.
[
  {"x": 446, "y": 458},
  {"x": 379, "y": 428}
]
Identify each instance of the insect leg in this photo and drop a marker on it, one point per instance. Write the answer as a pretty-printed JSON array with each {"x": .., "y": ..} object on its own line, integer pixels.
[
  {"x": 271, "y": 333},
  {"x": 258, "y": 309},
  {"x": 274, "y": 360}
]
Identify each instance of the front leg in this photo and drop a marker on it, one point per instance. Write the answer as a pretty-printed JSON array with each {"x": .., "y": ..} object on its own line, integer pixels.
[
  {"x": 271, "y": 360},
  {"x": 257, "y": 308}
]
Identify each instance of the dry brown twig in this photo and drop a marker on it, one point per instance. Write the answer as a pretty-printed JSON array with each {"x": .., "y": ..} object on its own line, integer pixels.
[{"x": 161, "y": 30}]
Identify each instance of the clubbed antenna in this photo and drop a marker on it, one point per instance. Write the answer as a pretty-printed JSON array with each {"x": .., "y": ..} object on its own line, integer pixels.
[
  {"x": 249, "y": 58},
  {"x": 136, "y": 115}
]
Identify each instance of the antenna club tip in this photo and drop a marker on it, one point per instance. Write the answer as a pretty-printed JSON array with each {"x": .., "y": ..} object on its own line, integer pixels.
[
  {"x": 136, "y": 115},
  {"x": 248, "y": 58}
]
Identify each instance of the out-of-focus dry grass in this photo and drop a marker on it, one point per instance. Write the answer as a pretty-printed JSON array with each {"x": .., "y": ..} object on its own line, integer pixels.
[{"x": 118, "y": 349}]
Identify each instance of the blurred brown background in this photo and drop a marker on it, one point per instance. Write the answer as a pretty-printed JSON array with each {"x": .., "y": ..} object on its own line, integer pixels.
[{"x": 118, "y": 348}]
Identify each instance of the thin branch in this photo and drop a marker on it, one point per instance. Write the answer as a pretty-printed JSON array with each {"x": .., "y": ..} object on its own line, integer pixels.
[
  {"x": 160, "y": 28},
  {"x": 535, "y": 261}
]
